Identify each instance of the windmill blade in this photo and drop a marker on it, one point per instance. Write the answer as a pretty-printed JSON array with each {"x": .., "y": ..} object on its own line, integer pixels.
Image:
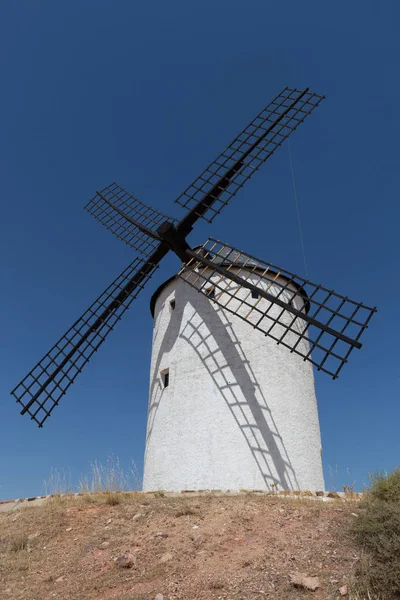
[
  {"x": 41, "y": 390},
  {"x": 220, "y": 181},
  {"x": 128, "y": 218},
  {"x": 316, "y": 323}
]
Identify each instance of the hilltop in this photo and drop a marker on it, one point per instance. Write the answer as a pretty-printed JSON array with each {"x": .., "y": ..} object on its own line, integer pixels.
[{"x": 115, "y": 546}]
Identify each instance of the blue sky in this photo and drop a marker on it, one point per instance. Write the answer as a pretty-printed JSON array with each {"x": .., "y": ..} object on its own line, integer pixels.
[{"x": 147, "y": 94}]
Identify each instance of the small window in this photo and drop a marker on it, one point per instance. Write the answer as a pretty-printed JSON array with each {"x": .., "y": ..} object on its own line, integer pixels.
[
  {"x": 210, "y": 292},
  {"x": 172, "y": 304},
  {"x": 165, "y": 378},
  {"x": 254, "y": 294}
]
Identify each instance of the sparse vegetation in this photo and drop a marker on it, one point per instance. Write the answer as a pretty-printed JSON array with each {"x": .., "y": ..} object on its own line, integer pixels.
[
  {"x": 185, "y": 510},
  {"x": 113, "y": 498},
  {"x": 59, "y": 482},
  {"x": 18, "y": 542},
  {"x": 110, "y": 477},
  {"x": 377, "y": 532},
  {"x": 185, "y": 547},
  {"x": 102, "y": 477},
  {"x": 159, "y": 494},
  {"x": 336, "y": 479}
]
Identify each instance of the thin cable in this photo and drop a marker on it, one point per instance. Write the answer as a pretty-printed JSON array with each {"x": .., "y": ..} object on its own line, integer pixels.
[{"x": 297, "y": 211}]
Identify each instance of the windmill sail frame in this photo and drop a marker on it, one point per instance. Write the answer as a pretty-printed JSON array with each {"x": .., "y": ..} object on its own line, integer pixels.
[
  {"x": 331, "y": 324},
  {"x": 299, "y": 309},
  {"x": 42, "y": 388}
]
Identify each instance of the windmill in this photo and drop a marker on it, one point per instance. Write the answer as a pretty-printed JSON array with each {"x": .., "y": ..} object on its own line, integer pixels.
[{"x": 232, "y": 401}]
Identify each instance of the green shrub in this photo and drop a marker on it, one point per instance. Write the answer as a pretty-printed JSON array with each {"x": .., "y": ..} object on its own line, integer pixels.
[
  {"x": 377, "y": 532},
  {"x": 386, "y": 487}
]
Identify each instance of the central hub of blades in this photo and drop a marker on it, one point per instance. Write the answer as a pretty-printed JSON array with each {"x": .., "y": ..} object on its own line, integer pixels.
[{"x": 175, "y": 240}]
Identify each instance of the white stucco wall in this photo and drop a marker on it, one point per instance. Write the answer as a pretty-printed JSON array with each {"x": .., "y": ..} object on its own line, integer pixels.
[{"x": 240, "y": 411}]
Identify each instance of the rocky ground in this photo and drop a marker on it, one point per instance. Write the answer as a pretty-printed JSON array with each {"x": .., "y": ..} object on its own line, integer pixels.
[{"x": 146, "y": 547}]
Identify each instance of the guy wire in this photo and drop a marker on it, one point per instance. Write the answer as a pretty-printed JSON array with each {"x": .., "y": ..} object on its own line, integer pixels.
[{"x": 297, "y": 211}]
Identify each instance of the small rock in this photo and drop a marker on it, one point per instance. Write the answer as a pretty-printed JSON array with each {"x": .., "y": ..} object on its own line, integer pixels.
[
  {"x": 197, "y": 539},
  {"x": 343, "y": 590},
  {"x": 109, "y": 521},
  {"x": 302, "y": 580},
  {"x": 159, "y": 597},
  {"x": 354, "y": 514},
  {"x": 125, "y": 561},
  {"x": 166, "y": 557},
  {"x": 320, "y": 493},
  {"x": 161, "y": 535},
  {"x": 69, "y": 529},
  {"x": 333, "y": 495},
  {"x": 137, "y": 516},
  {"x": 33, "y": 536},
  {"x": 195, "y": 527},
  {"x": 60, "y": 579},
  {"x": 104, "y": 545}
]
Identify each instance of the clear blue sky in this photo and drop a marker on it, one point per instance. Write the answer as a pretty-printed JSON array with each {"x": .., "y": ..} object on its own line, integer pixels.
[{"x": 147, "y": 94}]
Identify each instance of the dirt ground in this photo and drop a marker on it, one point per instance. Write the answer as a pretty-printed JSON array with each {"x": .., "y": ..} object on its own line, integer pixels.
[{"x": 211, "y": 547}]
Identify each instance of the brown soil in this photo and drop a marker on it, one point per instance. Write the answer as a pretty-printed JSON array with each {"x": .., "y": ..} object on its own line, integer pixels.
[{"x": 210, "y": 547}]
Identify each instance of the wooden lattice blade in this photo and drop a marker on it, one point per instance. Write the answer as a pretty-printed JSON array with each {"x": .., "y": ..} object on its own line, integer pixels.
[
  {"x": 316, "y": 323},
  {"x": 110, "y": 207},
  {"x": 220, "y": 181},
  {"x": 42, "y": 388}
]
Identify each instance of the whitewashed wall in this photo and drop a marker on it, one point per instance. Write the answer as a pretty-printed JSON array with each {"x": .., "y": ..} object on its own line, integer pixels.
[{"x": 240, "y": 411}]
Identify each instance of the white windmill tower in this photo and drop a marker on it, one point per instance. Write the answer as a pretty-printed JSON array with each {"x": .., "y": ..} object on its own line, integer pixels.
[
  {"x": 229, "y": 408},
  {"x": 232, "y": 401}
]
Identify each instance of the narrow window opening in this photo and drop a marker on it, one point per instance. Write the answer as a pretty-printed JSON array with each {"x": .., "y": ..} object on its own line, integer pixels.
[
  {"x": 165, "y": 378},
  {"x": 254, "y": 294},
  {"x": 172, "y": 304}
]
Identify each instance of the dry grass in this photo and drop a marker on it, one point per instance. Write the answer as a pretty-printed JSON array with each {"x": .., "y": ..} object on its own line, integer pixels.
[
  {"x": 364, "y": 596},
  {"x": 108, "y": 476},
  {"x": 185, "y": 510},
  {"x": 18, "y": 542}
]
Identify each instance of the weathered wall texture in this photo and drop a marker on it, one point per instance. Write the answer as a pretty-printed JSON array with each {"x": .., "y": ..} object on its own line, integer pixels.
[{"x": 240, "y": 411}]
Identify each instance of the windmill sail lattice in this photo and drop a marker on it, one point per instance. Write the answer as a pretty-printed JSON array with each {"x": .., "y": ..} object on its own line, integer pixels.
[
  {"x": 41, "y": 390},
  {"x": 113, "y": 206},
  {"x": 312, "y": 321},
  {"x": 222, "y": 179},
  {"x": 316, "y": 323}
]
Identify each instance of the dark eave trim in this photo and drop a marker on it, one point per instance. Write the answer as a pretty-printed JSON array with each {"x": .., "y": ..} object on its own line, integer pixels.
[{"x": 158, "y": 291}]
